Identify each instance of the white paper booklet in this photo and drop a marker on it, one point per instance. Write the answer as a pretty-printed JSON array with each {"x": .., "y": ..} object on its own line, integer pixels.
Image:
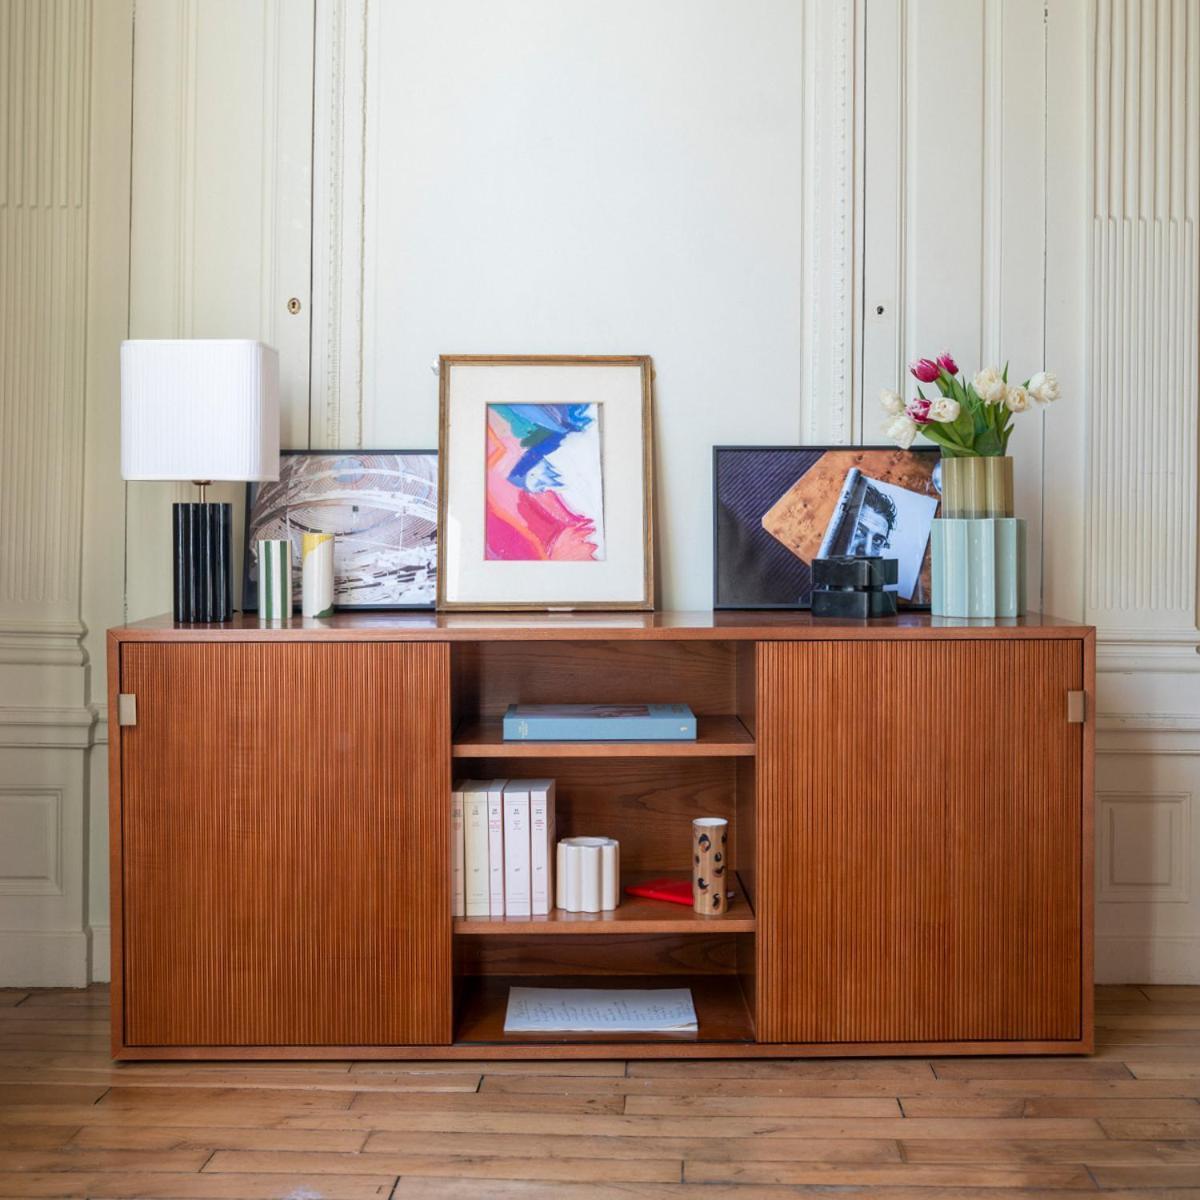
[
  {"x": 496, "y": 847},
  {"x": 517, "y": 896},
  {"x": 541, "y": 845},
  {"x": 475, "y": 848},
  {"x": 599, "y": 1010},
  {"x": 457, "y": 853}
]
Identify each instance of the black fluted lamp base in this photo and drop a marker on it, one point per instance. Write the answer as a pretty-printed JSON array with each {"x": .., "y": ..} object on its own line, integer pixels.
[{"x": 203, "y": 589}]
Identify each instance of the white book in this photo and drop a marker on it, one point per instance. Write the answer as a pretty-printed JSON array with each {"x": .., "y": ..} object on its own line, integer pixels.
[
  {"x": 475, "y": 848},
  {"x": 458, "y": 895},
  {"x": 541, "y": 846},
  {"x": 516, "y": 849},
  {"x": 496, "y": 847}
]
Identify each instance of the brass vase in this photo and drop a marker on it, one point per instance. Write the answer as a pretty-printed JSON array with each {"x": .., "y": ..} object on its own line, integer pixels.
[{"x": 977, "y": 487}]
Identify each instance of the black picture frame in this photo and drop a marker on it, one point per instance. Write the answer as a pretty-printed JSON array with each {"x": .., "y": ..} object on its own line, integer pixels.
[
  {"x": 250, "y": 582},
  {"x": 758, "y": 552}
]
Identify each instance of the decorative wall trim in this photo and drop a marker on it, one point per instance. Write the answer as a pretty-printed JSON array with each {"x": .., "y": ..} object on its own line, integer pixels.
[
  {"x": 1144, "y": 843},
  {"x": 339, "y": 150},
  {"x": 832, "y": 80},
  {"x": 1143, "y": 313},
  {"x": 1147, "y": 958},
  {"x": 45, "y": 957},
  {"x": 42, "y": 643},
  {"x": 101, "y": 967},
  {"x": 61, "y": 728},
  {"x": 36, "y": 878}
]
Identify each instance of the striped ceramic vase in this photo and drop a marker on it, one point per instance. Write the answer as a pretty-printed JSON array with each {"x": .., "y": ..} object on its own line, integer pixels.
[
  {"x": 274, "y": 579},
  {"x": 316, "y": 574}
]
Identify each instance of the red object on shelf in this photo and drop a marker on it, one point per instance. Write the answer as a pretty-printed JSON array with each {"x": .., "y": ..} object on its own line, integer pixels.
[{"x": 677, "y": 891}]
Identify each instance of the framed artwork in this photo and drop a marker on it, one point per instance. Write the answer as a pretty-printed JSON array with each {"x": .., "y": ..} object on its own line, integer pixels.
[
  {"x": 776, "y": 508},
  {"x": 545, "y": 496},
  {"x": 381, "y": 507}
]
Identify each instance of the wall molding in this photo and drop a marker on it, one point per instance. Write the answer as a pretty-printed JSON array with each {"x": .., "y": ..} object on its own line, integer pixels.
[
  {"x": 50, "y": 881},
  {"x": 832, "y": 48},
  {"x": 45, "y": 957},
  {"x": 1147, "y": 958},
  {"x": 28, "y": 642},
  {"x": 338, "y": 248}
]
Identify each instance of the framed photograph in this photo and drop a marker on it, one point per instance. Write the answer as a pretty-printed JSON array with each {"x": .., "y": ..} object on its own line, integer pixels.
[
  {"x": 545, "y": 488},
  {"x": 380, "y": 505},
  {"x": 776, "y": 508}
]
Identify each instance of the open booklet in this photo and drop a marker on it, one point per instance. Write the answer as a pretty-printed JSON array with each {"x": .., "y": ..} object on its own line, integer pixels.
[{"x": 599, "y": 1010}]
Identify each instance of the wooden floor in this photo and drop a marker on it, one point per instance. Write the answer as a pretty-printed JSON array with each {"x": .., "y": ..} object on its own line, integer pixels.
[{"x": 1126, "y": 1122}]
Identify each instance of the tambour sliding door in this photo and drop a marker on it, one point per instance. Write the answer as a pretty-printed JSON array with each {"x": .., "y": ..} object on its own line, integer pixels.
[
  {"x": 920, "y": 841},
  {"x": 285, "y": 840}
]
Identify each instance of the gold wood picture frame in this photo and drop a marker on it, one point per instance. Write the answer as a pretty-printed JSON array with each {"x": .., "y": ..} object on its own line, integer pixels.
[{"x": 540, "y": 504}]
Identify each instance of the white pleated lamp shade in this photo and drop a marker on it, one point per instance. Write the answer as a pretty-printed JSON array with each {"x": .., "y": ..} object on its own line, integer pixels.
[{"x": 200, "y": 409}]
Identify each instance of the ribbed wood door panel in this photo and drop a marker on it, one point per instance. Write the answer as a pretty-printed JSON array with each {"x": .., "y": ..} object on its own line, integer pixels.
[
  {"x": 286, "y": 834},
  {"x": 919, "y": 842}
]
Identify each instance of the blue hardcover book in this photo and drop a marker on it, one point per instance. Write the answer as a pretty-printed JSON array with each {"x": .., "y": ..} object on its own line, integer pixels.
[{"x": 599, "y": 723}]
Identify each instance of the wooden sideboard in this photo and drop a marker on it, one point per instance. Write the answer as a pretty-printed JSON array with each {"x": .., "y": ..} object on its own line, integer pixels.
[{"x": 910, "y": 807}]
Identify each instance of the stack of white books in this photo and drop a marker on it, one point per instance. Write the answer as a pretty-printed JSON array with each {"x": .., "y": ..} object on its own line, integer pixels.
[{"x": 502, "y": 835}]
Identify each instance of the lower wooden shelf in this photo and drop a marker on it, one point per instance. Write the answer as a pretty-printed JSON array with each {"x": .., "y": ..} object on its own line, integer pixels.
[
  {"x": 722, "y": 1013},
  {"x": 635, "y": 914}
]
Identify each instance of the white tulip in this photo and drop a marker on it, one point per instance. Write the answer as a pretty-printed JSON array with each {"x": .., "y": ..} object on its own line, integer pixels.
[
  {"x": 1043, "y": 387},
  {"x": 990, "y": 386},
  {"x": 944, "y": 408},
  {"x": 902, "y": 429},
  {"x": 893, "y": 402},
  {"x": 1017, "y": 399}
]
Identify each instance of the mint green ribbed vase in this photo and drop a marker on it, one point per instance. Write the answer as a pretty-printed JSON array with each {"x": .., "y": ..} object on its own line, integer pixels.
[{"x": 978, "y": 566}]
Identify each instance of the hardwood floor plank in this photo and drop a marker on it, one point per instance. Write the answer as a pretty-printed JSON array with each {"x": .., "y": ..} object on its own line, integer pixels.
[
  {"x": 856, "y": 1150},
  {"x": 11, "y": 997},
  {"x": 583, "y": 1066},
  {"x": 1171, "y": 992},
  {"x": 96, "y": 996},
  {"x": 1149, "y": 1020},
  {"x": 1013, "y": 1151},
  {"x": 1175, "y": 1130},
  {"x": 1146, "y": 1175},
  {"x": 863, "y": 1068},
  {"x": 247, "y": 1077},
  {"x": 888, "y": 1174},
  {"x": 1028, "y": 1068},
  {"x": 1142, "y": 1069},
  {"x": 430, "y": 1189},
  {"x": 963, "y": 1106},
  {"x": 1142, "y": 1107},
  {"x": 570, "y": 1170},
  {"x": 183, "y": 1137},
  {"x": 457, "y": 1102},
  {"x": 268, "y": 1097},
  {"x": 932, "y": 1088},
  {"x": 36, "y": 1137},
  {"x": 146, "y": 1185},
  {"x": 760, "y": 1106},
  {"x": 705, "y": 1126},
  {"x": 101, "y": 1160},
  {"x": 50, "y": 1093}
]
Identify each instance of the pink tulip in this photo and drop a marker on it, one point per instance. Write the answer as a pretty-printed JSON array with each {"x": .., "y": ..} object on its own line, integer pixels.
[
  {"x": 947, "y": 363},
  {"x": 918, "y": 409},
  {"x": 925, "y": 369}
]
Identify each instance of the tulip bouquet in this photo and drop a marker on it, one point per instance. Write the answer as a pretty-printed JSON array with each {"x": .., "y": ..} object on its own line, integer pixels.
[{"x": 968, "y": 419}]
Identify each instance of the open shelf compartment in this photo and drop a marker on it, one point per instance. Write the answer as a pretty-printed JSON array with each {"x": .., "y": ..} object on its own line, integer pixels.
[
  {"x": 722, "y": 1012},
  {"x": 634, "y": 915}
]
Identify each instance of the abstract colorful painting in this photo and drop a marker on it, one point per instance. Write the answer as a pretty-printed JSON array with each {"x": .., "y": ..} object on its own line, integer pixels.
[{"x": 544, "y": 484}]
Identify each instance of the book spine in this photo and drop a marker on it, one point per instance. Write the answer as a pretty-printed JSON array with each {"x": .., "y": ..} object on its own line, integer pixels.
[
  {"x": 496, "y": 852},
  {"x": 476, "y": 854},
  {"x": 600, "y": 729},
  {"x": 517, "y": 899},
  {"x": 541, "y": 849},
  {"x": 457, "y": 852}
]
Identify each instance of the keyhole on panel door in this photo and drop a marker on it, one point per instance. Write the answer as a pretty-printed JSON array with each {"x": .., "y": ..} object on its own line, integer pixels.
[
  {"x": 879, "y": 310},
  {"x": 293, "y": 306}
]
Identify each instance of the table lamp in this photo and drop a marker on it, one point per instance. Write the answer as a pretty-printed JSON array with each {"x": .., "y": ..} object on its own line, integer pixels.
[{"x": 204, "y": 410}]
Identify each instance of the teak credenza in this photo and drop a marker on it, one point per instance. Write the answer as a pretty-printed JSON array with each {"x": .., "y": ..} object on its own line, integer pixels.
[{"x": 910, "y": 807}]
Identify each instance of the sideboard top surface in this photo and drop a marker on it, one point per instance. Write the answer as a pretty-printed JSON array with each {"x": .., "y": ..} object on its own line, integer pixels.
[{"x": 594, "y": 626}]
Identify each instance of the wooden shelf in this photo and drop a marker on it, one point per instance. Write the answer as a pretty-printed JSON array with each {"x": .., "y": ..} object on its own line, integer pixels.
[
  {"x": 635, "y": 915},
  {"x": 716, "y": 737},
  {"x": 721, "y": 1010}
]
